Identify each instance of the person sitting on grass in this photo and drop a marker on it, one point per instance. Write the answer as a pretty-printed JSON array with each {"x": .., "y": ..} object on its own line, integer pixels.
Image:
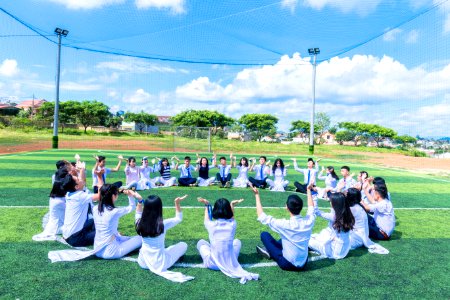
[
  {"x": 203, "y": 168},
  {"x": 100, "y": 170},
  {"x": 186, "y": 170},
  {"x": 382, "y": 223},
  {"x": 334, "y": 241},
  {"x": 331, "y": 179},
  {"x": 278, "y": 184},
  {"x": 291, "y": 252},
  {"x": 222, "y": 252},
  {"x": 346, "y": 181},
  {"x": 224, "y": 175},
  {"x": 261, "y": 173},
  {"x": 132, "y": 173},
  {"x": 166, "y": 180},
  {"x": 309, "y": 175},
  {"x": 152, "y": 228},
  {"x": 242, "y": 179},
  {"x": 145, "y": 182}
]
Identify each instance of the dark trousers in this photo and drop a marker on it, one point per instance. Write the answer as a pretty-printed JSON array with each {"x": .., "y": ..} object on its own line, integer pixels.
[
  {"x": 375, "y": 232},
  {"x": 118, "y": 184},
  {"x": 221, "y": 179},
  {"x": 84, "y": 237},
  {"x": 258, "y": 183},
  {"x": 186, "y": 181},
  {"x": 275, "y": 249},
  {"x": 301, "y": 188}
]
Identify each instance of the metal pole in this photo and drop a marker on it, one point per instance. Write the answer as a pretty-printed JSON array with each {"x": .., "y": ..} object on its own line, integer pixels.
[
  {"x": 209, "y": 139},
  {"x": 56, "y": 114},
  {"x": 311, "y": 127}
]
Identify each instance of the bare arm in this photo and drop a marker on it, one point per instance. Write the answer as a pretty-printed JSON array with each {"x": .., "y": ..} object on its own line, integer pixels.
[
  {"x": 369, "y": 194},
  {"x": 177, "y": 203},
  {"x": 117, "y": 168},
  {"x": 308, "y": 194},
  {"x": 259, "y": 208},
  {"x": 234, "y": 203},
  {"x": 206, "y": 202}
]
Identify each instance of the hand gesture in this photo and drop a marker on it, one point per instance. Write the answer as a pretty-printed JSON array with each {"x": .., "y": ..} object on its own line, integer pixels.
[
  {"x": 319, "y": 159},
  {"x": 120, "y": 157},
  {"x": 77, "y": 157},
  {"x": 179, "y": 199},
  {"x": 153, "y": 161},
  {"x": 203, "y": 200},
  {"x": 235, "y": 202},
  {"x": 255, "y": 190},
  {"x": 96, "y": 157},
  {"x": 231, "y": 156}
]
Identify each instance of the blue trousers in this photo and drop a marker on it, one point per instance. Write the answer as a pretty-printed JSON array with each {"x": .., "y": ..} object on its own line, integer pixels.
[
  {"x": 375, "y": 232},
  {"x": 84, "y": 237},
  {"x": 258, "y": 183},
  {"x": 275, "y": 249},
  {"x": 186, "y": 181},
  {"x": 221, "y": 179}
]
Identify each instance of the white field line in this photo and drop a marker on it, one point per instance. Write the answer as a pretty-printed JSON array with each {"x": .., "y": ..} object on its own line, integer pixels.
[
  {"x": 21, "y": 154},
  {"x": 243, "y": 207}
]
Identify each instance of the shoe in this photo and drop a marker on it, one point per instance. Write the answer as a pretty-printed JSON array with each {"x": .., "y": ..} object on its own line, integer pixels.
[
  {"x": 227, "y": 184},
  {"x": 262, "y": 251},
  {"x": 133, "y": 189},
  {"x": 221, "y": 185}
]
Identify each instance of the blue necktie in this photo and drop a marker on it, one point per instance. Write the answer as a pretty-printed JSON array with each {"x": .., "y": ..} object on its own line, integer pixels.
[
  {"x": 188, "y": 172},
  {"x": 261, "y": 171},
  {"x": 309, "y": 176},
  {"x": 223, "y": 173}
]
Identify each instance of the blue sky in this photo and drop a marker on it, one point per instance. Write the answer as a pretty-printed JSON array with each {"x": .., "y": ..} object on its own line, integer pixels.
[{"x": 381, "y": 61}]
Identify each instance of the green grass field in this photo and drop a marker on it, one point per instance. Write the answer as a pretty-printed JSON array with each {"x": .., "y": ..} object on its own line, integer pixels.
[{"x": 418, "y": 265}]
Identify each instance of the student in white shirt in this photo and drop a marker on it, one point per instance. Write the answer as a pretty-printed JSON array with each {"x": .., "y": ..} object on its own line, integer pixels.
[
  {"x": 382, "y": 224},
  {"x": 222, "y": 252},
  {"x": 145, "y": 181},
  {"x": 346, "y": 181},
  {"x": 132, "y": 174},
  {"x": 291, "y": 252},
  {"x": 78, "y": 230},
  {"x": 224, "y": 175},
  {"x": 261, "y": 173},
  {"x": 242, "y": 179},
  {"x": 100, "y": 170},
  {"x": 359, "y": 235},
  {"x": 166, "y": 179},
  {"x": 334, "y": 241},
  {"x": 203, "y": 168},
  {"x": 309, "y": 175},
  {"x": 331, "y": 180},
  {"x": 109, "y": 243},
  {"x": 152, "y": 228},
  {"x": 278, "y": 184},
  {"x": 186, "y": 178}
]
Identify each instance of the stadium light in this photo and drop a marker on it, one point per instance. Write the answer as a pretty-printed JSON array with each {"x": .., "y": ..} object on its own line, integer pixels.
[
  {"x": 59, "y": 32},
  {"x": 313, "y": 52}
]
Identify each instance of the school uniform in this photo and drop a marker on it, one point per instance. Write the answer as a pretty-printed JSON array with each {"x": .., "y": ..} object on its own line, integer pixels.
[
  {"x": 260, "y": 179},
  {"x": 222, "y": 252},
  {"x": 224, "y": 174},
  {"x": 158, "y": 259},
  {"x": 165, "y": 179},
  {"x": 330, "y": 183},
  {"x": 309, "y": 176},
  {"x": 203, "y": 176},
  {"x": 132, "y": 177},
  {"x": 242, "y": 179},
  {"x": 329, "y": 242},
  {"x": 145, "y": 181},
  {"x": 109, "y": 243},
  {"x": 78, "y": 230},
  {"x": 382, "y": 224},
  {"x": 278, "y": 184},
  {"x": 347, "y": 183},
  {"x": 104, "y": 175},
  {"x": 291, "y": 252},
  {"x": 186, "y": 178}
]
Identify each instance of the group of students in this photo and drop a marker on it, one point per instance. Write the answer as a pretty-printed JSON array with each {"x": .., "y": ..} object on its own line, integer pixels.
[{"x": 352, "y": 223}]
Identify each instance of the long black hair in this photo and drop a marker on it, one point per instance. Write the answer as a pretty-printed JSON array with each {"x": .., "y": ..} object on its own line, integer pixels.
[
  {"x": 344, "y": 220},
  {"x": 245, "y": 162},
  {"x": 332, "y": 172},
  {"x": 151, "y": 223},
  {"x": 57, "y": 188},
  {"x": 161, "y": 166},
  {"x": 106, "y": 197},
  {"x": 222, "y": 209},
  {"x": 207, "y": 162},
  {"x": 274, "y": 167},
  {"x": 353, "y": 197}
]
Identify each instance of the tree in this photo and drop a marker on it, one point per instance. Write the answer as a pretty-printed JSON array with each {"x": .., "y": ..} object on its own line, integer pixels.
[
  {"x": 332, "y": 130},
  {"x": 141, "y": 119},
  {"x": 90, "y": 113},
  {"x": 203, "y": 118},
  {"x": 356, "y": 129},
  {"x": 321, "y": 124},
  {"x": 405, "y": 139},
  {"x": 344, "y": 136},
  {"x": 114, "y": 121},
  {"x": 259, "y": 124},
  {"x": 378, "y": 133},
  {"x": 300, "y": 127}
]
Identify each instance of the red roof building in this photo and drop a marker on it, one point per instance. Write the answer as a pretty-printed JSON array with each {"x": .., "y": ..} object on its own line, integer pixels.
[{"x": 36, "y": 103}]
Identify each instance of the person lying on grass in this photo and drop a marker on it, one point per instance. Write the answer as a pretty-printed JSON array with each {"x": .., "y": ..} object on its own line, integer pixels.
[
  {"x": 291, "y": 252},
  {"x": 152, "y": 228},
  {"x": 222, "y": 252}
]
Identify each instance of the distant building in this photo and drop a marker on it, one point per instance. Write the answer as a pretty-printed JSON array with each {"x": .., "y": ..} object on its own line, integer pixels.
[
  {"x": 243, "y": 137},
  {"x": 328, "y": 138},
  {"x": 8, "y": 110},
  {"x": 164, "y": 119},
  {"x": 33, "y": 104}
]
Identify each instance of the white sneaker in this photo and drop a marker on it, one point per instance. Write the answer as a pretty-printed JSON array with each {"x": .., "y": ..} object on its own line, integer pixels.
[{"x": 261, "y": 250}]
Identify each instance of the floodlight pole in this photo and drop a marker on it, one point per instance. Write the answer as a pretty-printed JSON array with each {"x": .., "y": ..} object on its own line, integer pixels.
[
  {"x": 59, "y": 32},
  {"x": 314, "y": 52}
]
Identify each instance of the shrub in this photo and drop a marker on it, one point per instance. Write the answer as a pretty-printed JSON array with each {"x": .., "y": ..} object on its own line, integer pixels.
[
  {"x": 416, "y": 153},
  {"x": 72, "y": 131}
]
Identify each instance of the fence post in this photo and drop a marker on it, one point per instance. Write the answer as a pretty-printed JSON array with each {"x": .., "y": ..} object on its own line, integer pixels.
[{"x": 209, "y": 139}]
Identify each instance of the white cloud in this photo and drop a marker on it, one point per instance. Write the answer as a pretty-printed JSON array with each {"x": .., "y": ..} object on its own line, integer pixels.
[
  {"x": 86, "y": 4},
  {"x": 136, "y": 65},
  {"x": 139, "y": 97},
  {"x": 175, "y": 6},
  {"x": 65, "y": 86},
  {"x": 391, "y": 34},
  {"x": 412, "y": 37},
  {"x": 9, "y": 68},
  {"x": 346, "y": 6}
]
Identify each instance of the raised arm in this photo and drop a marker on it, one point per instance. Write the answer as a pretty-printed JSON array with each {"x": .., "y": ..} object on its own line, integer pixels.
[
  {"x": 309, "y": 195},
  {"x": 253, "y": 160},
  {"x": 296, "y": 168},
  {"x": 259, "y": 208},
  {"x": 369, "y": 194},
  {"x": 117, "y": 168},
  {"x": 234, "y": 203},
  {"x": 206, "y": 202},
  {"x": 177, "y": 203}
]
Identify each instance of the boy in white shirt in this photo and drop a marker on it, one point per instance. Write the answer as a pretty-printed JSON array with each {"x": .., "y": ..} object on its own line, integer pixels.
[
  {"x": 346, "y": 181},
  {"x": 261, "y": 173},
  {"x": 100, "y": 170},
  {"x": 224, "y": 175},
  {"x": 309, "y": 174},
  {"x": 186, "y": 178},
  {"x": 291, "y": 252}
]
